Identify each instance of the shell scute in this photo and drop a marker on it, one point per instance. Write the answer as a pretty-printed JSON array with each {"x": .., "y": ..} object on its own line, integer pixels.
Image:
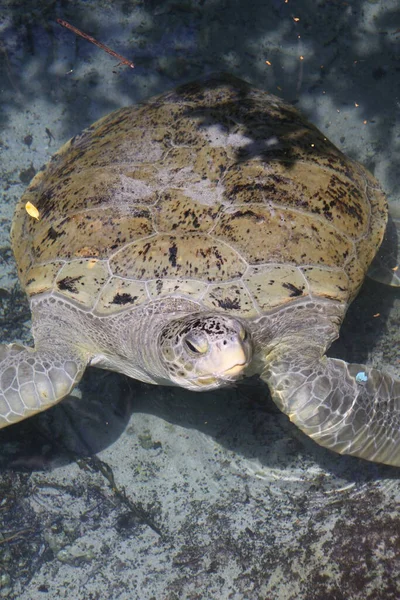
[
  {"x": 184, "y": 256},
  {"x": 120, "y": 294},
  {"x": 82, "y": 280}
]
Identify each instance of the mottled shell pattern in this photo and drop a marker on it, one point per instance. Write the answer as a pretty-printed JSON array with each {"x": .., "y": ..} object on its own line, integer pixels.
[{"x": 216, "y": 192}]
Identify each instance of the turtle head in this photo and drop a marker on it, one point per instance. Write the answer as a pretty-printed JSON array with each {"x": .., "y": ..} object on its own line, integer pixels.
[{"x": 204, "y": 352}]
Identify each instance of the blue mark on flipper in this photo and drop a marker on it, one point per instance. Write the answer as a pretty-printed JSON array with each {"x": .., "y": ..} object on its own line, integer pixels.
[{"x": 361, "y": 377}]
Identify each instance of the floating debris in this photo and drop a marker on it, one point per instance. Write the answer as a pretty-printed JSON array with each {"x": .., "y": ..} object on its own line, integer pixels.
[
  {"x": 32, "y": 210},
  {"x": 122, "y": 60}
]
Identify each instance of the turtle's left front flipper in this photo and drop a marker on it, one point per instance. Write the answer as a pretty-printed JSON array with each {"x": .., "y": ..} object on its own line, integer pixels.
[{"x": 349, "y": 408}]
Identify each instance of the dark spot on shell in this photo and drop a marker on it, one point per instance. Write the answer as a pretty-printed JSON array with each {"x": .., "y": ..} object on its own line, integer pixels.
[
  {"x": 52, "y": 234},
  {"x": 248, "y": 213},
  {"x": 123, "y": 299},
  {"x": 145, "y": 250},
  {"x": 295, "y": 291},
  {"x": 228, "y": 304},
  {"x": 173, "y": 251},
  {"x": 68, "y": 284}
]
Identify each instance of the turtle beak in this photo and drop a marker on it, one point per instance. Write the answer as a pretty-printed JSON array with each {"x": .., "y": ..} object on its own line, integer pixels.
[
  {"x": 234, "y": 361},
  {"x": 225, "y": 364}
]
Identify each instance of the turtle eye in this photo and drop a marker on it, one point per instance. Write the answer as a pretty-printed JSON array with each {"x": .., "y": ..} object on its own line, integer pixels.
[{"x": 196, "y": 344}]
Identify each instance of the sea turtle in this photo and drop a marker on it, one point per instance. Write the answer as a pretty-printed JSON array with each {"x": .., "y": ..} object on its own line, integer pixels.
[{"x": 208, "y": 234}]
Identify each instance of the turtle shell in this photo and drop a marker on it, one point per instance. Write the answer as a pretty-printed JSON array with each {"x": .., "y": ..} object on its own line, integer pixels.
[{"x": 217, "y": 192}]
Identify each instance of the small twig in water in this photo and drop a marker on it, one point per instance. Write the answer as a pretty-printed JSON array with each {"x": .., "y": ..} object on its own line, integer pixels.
[
  {"x": 122, "y": 60},
  {"x": 16, "y": 535}
]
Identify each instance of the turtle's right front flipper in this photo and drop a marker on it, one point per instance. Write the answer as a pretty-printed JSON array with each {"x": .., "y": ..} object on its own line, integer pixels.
[{"x": 33, "y": 380}]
